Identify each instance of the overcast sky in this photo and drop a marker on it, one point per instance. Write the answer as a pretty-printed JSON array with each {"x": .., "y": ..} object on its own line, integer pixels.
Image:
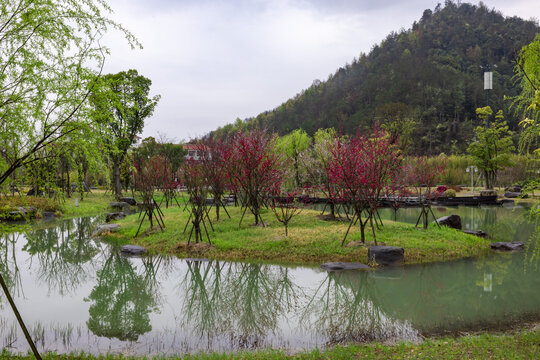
[{"x": 213, "y": 61}]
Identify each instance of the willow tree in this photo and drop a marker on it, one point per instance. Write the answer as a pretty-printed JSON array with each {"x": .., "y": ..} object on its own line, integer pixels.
[
  {"x": 49, "y": 58},
  {"x": 528, "y": 72},
  {"x": 121, "y": 103}
]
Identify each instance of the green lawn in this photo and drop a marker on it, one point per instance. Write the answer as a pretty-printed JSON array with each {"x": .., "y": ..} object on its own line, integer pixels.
[
  {"x": 310, "y": 241},
  {"x": 94, "y": 203}
]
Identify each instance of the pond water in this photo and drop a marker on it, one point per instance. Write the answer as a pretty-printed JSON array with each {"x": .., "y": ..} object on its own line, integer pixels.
[{"x": 76, "y": 293}]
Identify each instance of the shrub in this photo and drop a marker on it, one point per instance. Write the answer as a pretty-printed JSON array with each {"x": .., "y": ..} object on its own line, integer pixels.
[{"x": 450, "y": 193}]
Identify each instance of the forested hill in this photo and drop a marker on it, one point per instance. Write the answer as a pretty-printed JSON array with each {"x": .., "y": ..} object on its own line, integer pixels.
[{"x": 423, "y": 83}]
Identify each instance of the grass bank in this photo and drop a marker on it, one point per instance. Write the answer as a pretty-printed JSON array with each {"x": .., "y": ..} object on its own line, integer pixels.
[
  {"x": 311, "y": 240},
  {"x": 520, "y": 345},
  {"x": 94, "y": 203}
]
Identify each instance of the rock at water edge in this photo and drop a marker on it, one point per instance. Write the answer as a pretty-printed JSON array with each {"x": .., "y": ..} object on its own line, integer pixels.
[
  {"x": 453, "y": 221},
  {"x": 386, "y": 255}
]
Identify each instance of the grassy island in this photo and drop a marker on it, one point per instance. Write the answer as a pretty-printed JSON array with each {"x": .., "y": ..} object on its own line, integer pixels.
[{"x": 311, "y": 240}]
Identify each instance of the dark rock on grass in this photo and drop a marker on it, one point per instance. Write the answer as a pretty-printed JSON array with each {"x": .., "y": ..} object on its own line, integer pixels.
[
  {"x": 478, "y": 233},
  {"x": 129, "y": 200},
  {"x": 104, "y": 229},
  {"x": 133, "y": 250},
  {"x": 386, "y": 255},
  {"x": 507, "y": 246},
  {"x": 337, "y": 266},
  {"x": 514, "y": 188},
  {"x": 512, "y": 195},
  {"x": 114, "y": 216},
  {"x": 453, "y": 221},
  {"x": 118, "y": 204}
]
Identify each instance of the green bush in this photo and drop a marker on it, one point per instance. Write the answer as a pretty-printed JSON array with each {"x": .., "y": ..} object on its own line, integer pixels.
[{"x": 450, "y": 193}]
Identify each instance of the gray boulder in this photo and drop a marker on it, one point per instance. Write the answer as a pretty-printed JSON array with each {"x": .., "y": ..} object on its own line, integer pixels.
[
  {"x": 103, "y": 229},
  {"x": 508, "y": 246},
  {"x": 336, "y": 266},
  {"x": 133, "y": 250},
  {"x": 511, "y": 195},
  {"x": 453, "y": 221},
  {"x": 118, "y": 204},
  {"x": 129, "y": 200},
  {"x": 386, "y": 255},
  {"x": 513, "y": 188},
  {"x": 114, "y": 216}
]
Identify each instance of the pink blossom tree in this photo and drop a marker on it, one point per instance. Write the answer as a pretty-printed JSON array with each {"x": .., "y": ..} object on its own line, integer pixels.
[
  {"x": 362, "y": 167},
  {"x": 255, "y": 170}
]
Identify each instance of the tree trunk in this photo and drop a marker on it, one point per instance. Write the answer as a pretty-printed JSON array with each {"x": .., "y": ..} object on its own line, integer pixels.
[{"x": 116, "y": 179}]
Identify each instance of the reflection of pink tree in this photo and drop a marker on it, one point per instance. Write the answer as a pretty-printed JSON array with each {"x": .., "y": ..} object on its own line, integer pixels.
[
  {"x": 255, "y": 169},
  {"x": 423, "y": 175},
  {"x": 362, "y": 168},
  {"x": 149, "y": 176}
]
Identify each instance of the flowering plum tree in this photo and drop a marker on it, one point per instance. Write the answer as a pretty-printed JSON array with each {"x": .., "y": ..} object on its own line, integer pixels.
[
  {"x": 194, "y": 179},
  {"x": 255, "y": 169},
  {"x": 362, "y": 167},
  {"x": 150, "y": 176},
  {"x": 215, "y": 155}
]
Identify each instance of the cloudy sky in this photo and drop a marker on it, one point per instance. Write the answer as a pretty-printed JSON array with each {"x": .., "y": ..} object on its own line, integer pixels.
[{"x": 213, "y": 61}]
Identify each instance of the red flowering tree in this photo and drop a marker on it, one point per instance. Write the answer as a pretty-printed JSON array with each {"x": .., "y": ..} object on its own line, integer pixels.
[
  {"x": 215, "y": 156},
  {"x": 255, "y": 170},
  {"x": 423, "y": 175},
  {"x": 149, "y": 176},
  {"x": 193, "y": 177},
  {"x": 362, "y": 168}
]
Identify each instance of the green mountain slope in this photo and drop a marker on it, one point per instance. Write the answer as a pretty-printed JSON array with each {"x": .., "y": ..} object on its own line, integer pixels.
[{"x": 423, "y": 83}]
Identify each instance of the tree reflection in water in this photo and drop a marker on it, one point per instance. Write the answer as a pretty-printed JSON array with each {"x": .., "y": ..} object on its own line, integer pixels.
[
  {"x": 344, "y": 308},
  {"x": 122, "y": 300},
  {"x": 236, "y": 302},
  {"x": 62, "y": 252},
  {"x": 8, "y": 265}
]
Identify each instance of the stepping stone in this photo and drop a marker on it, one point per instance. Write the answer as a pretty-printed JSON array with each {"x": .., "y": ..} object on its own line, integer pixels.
[
  {"x": 336, "y": 266},
  {"x": 508, "y": 246},
  {"x": 133, "y": 250},
  {"x": 478, "y": 233},
  {"x": 114, "y": 216}
]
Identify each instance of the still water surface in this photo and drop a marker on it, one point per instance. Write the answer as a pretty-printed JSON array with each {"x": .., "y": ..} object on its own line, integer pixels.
[{"x": 76, "y": 293}]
